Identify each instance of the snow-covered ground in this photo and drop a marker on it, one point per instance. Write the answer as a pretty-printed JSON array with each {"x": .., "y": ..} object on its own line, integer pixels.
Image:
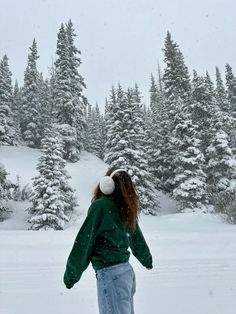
[{"x": 194, "y": 255}]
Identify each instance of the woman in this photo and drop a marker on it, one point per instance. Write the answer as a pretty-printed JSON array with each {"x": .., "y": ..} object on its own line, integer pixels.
[{"x": 109, "y": 229}]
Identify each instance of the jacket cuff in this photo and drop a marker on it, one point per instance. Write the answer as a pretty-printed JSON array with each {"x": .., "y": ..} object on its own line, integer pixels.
[
  {"x": 69, "y": 286},
  {"x": 68, "y": 283},
  {"x": 149, "y": 266}
]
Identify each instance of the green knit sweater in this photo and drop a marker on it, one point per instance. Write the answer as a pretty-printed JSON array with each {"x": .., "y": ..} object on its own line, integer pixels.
[{"x": 103, "y": 240}]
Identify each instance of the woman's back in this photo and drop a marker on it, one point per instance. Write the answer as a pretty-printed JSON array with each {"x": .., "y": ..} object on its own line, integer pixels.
[
  {"x": 108, "y": 231},
  {"x": 112, "y": 237}
]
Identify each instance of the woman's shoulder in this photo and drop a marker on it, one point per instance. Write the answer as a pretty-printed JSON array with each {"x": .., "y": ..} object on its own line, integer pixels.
[{"x": 101, "y": 204}]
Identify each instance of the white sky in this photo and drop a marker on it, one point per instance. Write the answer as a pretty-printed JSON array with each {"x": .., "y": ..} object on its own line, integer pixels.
[{"x": 120, "y": 40}]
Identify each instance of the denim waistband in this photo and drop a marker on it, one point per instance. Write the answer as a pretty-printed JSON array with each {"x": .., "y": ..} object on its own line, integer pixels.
[{"x": 113, "y": 267}]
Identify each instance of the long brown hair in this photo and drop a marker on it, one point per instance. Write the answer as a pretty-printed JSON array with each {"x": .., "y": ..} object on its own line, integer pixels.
[{"x": 125, "y": 195}]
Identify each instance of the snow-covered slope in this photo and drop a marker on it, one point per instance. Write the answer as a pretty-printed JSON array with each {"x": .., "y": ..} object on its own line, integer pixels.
[
  {"x": 194, "y": 256},
  {"x": 85, "y": 175}
]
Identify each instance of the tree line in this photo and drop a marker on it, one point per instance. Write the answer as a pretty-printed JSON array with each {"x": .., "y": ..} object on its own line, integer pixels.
[{"x": 182, "y": 143}]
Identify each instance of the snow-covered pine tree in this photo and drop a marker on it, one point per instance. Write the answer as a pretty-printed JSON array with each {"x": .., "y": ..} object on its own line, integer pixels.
[
  {"x": 88, "y": 129},
  {"x": 30, "y": 117},
  {"x": 176, "y": 77},
  {"x": 229, "y": 76},
  {"x": 52, "y": 199},
  {"x": 63, "y": 108},
  {"x": 77, "y": 85},
  {"x": 221, "y": 97},
  {"x": 157, "y": 133},
  {"x": 222, "y": 175},
  {"x": 141, "y": 173},
  {"x": 149, "y": 142},
  {"x": 98, "y": 145},
  {"x": 177, "y": 90},
  {"x": 119, "y": 133},
  {"x": 233, "y": 99},
  {"x": 208, "y": 116},
  {"x": 232, "y": 131},
  {"x": 208, "y": 82},
  {"x": 16, "y": 110},
  {"x": 93, "y": 133},
  {"x": 223, "y": 102},
  {"x": 203, "y": 109},
  {"x": 154, "y": 99},
  {"x": 69, "y": 103},
  {"x": 112, "y": 128},
  {"x": 45, "y": 99},
  {"x": 189, "y": 177},
  {"x": 124, "y": 142},
  {"x": 103, "y": 136},
  {"x": 7, "y": 128},
  {"x": 156, "y": 102},
  {"x": 5, "y": 185},
  {"x": 104, "y": 128}
]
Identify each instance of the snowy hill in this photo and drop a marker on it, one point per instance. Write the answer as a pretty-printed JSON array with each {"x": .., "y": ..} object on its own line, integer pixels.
[
  {"x": 194, "y": 255},
  {"x": 22, "y": 161},
  {"x": 85, "y": 175}
]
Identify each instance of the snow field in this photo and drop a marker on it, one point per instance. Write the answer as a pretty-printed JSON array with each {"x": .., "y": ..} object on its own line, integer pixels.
[
  {"x": 194, "y": 255},
  {"x": 194, "y": 272}
]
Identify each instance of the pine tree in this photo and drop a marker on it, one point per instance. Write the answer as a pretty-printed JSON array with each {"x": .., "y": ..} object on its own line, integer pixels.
[
  {"x": 93, "y": 134},
  {"x": 203, "y": 109},
  {"x": 88, "y": 129},
  {"x": 229, "y": 76},
  {"x": 45, "y": 100},
  {"x": 77, "y": 84},
  {"x": 69, "y": 103},
  {"x": 233, "y": 99},
  {"x": 177, "y": 90},
  {"x": 156, "y": 134},
  {"x": 223, "y": 102},
  {"x": 149, "y": 144},
  {"x": 208, "y": 82},
  {"x": 221, "y": 98},
  {"x": 189, "y": 178},
  {"x": 98, "y": 145},
  {"x": 52, "y": 199},
  {"x": 103, "y": 136},
  {"x": 119, "y": 153},
  {"x": 232, "y": 130},
  {"x": 112, "y": 128},
  {"x": 222, "y": 175},
  {"x": 176, "y": 77},
  {"x": 16, "y": 110},
  {"x": 31, "y": 121},
  {"x": 125, "y": 140},
  {"x": 154, "y": 95},
  {"x": 142, "y": 174},
  {"x": 63, "y": 108},
  {"x": 7, "y": 129},
  {"x": 5, "y": 185}
]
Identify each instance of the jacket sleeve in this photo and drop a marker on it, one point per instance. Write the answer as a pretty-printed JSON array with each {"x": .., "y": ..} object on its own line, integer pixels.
[
  {"x": 81, "y": 252},
  {"x": 140, "y": 248}
]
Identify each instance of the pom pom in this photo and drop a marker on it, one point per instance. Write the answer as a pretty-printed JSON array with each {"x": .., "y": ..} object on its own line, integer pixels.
[{"x": 107, "y": 185}]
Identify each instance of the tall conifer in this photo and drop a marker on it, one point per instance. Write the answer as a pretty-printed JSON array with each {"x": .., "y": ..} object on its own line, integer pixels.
[
  {"x": 30, "y": 118},
  {"x": 7, "y": 128}
]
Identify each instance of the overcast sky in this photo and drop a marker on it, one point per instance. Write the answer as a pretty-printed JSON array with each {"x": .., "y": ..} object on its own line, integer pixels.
[{"x": 120, "y": 40}]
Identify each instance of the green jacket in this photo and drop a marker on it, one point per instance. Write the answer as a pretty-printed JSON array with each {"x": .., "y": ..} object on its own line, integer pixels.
[{"x": 103, "y": 240}]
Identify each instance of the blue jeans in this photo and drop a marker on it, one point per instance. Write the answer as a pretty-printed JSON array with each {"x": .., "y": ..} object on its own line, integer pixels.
[{"x": 116, "y": 286}]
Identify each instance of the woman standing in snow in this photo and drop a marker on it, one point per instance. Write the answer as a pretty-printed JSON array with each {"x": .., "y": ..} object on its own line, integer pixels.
[{"x": 109, "y": 229}]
